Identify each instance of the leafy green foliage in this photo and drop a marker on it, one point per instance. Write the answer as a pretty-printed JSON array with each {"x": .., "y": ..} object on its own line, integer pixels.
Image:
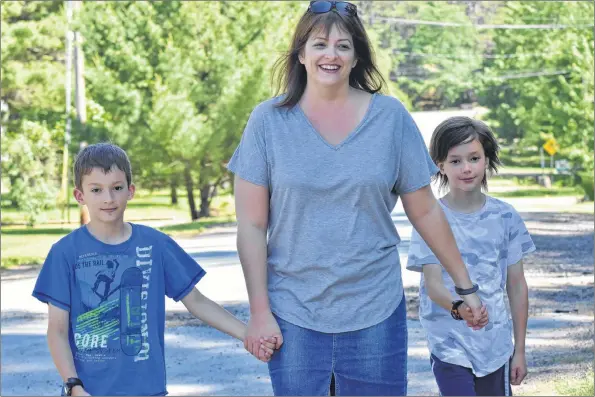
[
  {"x": 174, "y": 82},
  {"x": 435, "y": 66},
  {"x": 29, "y": 163},
  {"x": 558, "y": 104}
]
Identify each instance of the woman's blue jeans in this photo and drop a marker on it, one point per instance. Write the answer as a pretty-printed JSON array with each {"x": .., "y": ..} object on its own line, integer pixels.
[{"x": 368, "y": 362}]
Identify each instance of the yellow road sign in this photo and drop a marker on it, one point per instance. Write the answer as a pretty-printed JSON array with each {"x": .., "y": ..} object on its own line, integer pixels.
[{"x": 551, "y": 146}]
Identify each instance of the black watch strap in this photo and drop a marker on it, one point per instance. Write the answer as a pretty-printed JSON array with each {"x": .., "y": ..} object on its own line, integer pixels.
[
  {"x": 468, "y": 291},
  {"x": 454, "y": 312},
  {"x": 70, "y": 383}
]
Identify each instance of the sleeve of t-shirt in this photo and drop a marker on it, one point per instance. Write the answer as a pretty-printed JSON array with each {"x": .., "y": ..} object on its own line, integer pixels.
[
  {"x": 182, "y": 272},
  {"x": 520, "y": 242},
  {"x": 249, "y": 160},
  {"x": 53, "y": 282},
  {"x": 419, "y": 253},
  {"x": 416, "y": 167}
]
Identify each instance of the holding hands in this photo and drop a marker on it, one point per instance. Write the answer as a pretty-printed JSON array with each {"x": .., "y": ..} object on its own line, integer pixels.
[
  {"x": 470, "y": 318},
  {"x": 263, "y": 336}
]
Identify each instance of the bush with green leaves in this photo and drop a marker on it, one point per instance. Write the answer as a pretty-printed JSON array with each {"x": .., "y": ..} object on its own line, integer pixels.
[{"x": 29, "y": 163}]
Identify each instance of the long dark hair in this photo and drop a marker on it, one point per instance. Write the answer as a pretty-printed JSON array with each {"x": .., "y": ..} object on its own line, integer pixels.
[
  {"x": 289, "y": 75},
  {"x": 457, "y": 130}
]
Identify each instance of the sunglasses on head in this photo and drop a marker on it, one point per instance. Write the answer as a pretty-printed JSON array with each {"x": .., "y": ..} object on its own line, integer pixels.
[{"x": 342, "y": 7}]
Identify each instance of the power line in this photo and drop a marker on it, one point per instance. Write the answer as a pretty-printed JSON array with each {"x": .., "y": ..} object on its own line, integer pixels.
[
  {"x": 460, "y": 56},
  {"x": 530, "y": 74},
  {"x": 552, "y": 19},
  {"x": 518, "y": 75},
  {"x": 403, "y": 21}
]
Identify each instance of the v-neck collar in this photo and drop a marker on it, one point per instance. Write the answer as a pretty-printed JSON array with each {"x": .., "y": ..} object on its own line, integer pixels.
[{"x": 348, "y": 137}]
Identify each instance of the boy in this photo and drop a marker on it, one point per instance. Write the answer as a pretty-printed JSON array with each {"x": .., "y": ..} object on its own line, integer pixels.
[
  {"x": 105, "y": 285},
  {"x": 493, "y": 241}
]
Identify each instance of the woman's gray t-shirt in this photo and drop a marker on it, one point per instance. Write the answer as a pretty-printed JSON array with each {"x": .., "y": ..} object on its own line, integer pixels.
[{"x": 333, "y": 264}]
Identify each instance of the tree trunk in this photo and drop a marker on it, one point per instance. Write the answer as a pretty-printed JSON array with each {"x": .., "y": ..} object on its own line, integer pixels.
[
  {"x": 205, "y": 201},
  {"x": 174, "y": 191},
  {"x": 190, "y": 192}
]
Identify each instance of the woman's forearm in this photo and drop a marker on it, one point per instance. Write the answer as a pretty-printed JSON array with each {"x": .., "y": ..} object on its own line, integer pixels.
[
  {"x": 434, "y": 229},
  {"x": 252, "y": 249}
]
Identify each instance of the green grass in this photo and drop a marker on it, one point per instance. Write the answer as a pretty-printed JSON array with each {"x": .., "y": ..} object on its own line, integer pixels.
[
  {"x": 136, "y": 210},
  {"x": 525, "y": 170},
  {"x": 538, "y": 191},
  {"x": 21, "y": 245},
  {"x": 24, "y": 231},
  {"x": 27, "y": 248},
  {"x": 189, "y": 228},
  {"x": 144, "y": 206},
  {"x": 523, "y": 157},
  {"x": 581, "y": 386},
  {"x": 13, "y": 262}
]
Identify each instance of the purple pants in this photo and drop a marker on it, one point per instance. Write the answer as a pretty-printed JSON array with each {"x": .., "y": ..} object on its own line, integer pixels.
[{"x": 455, "y": 380}]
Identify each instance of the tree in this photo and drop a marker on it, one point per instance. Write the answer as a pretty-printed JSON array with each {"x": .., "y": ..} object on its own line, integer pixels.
[
  {"x": 33, "y": 96},
  {"x": 29, "y": 161},
  {"x": 435, "y": 66},
  {"x": 165, "y": 77},
  {"x": 546, "y": 88}
]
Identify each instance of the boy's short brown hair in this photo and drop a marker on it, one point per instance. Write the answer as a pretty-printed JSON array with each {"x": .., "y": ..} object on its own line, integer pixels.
[{"x": 101, "y": 155}]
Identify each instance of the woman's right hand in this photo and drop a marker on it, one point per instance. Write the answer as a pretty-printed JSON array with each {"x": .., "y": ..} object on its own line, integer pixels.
[
  {"x": 479, "y": 311},
  {"x": 261, "y": 325},
  {"x": 467, "y": 314}
]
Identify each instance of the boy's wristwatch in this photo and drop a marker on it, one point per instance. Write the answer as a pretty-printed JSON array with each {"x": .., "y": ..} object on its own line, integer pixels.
[
  {"x": 70, "y": 383},
  {"x": 454, "y": 312}
]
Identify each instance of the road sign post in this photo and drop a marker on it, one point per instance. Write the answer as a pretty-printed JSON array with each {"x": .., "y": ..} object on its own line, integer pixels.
[{"x": 551, "y": 147}]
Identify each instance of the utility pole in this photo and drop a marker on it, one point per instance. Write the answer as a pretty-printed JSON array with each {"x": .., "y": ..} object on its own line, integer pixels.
[
  {"x": 80, "y": 101},
  {"x": 65, "y": 195},
  {"x": 79, "y": 68}
]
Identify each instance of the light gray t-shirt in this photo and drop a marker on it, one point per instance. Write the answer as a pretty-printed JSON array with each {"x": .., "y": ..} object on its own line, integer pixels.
[
  {"x": 333, "y": 264},
  {"x": 490, "y": 240}
]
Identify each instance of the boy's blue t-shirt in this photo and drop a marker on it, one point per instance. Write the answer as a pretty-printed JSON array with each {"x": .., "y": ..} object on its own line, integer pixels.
[{"x": 116, "y": 298}]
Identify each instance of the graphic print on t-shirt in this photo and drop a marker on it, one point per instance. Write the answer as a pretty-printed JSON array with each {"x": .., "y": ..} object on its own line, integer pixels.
[{"x": 112, "y": 318}]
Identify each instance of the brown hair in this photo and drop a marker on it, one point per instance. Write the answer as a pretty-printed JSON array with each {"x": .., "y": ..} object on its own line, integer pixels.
[
  {"x": 455, "y": 131},
  {"x": 289, "y": 75},
  {"x": 100, "y": 155}
]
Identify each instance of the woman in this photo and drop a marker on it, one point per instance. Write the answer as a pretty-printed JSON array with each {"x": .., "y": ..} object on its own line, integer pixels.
[{"x": 317, "y": 174}]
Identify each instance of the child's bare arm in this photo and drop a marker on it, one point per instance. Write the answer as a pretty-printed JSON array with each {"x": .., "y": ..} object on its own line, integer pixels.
[
  {"x": 518, "y": 296},
  {"x": 217, "y": 317},
  {"x": 435, "y": 286},
  {"x": 59, "y": 346},
  {"x": 214, "y": 315}
]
